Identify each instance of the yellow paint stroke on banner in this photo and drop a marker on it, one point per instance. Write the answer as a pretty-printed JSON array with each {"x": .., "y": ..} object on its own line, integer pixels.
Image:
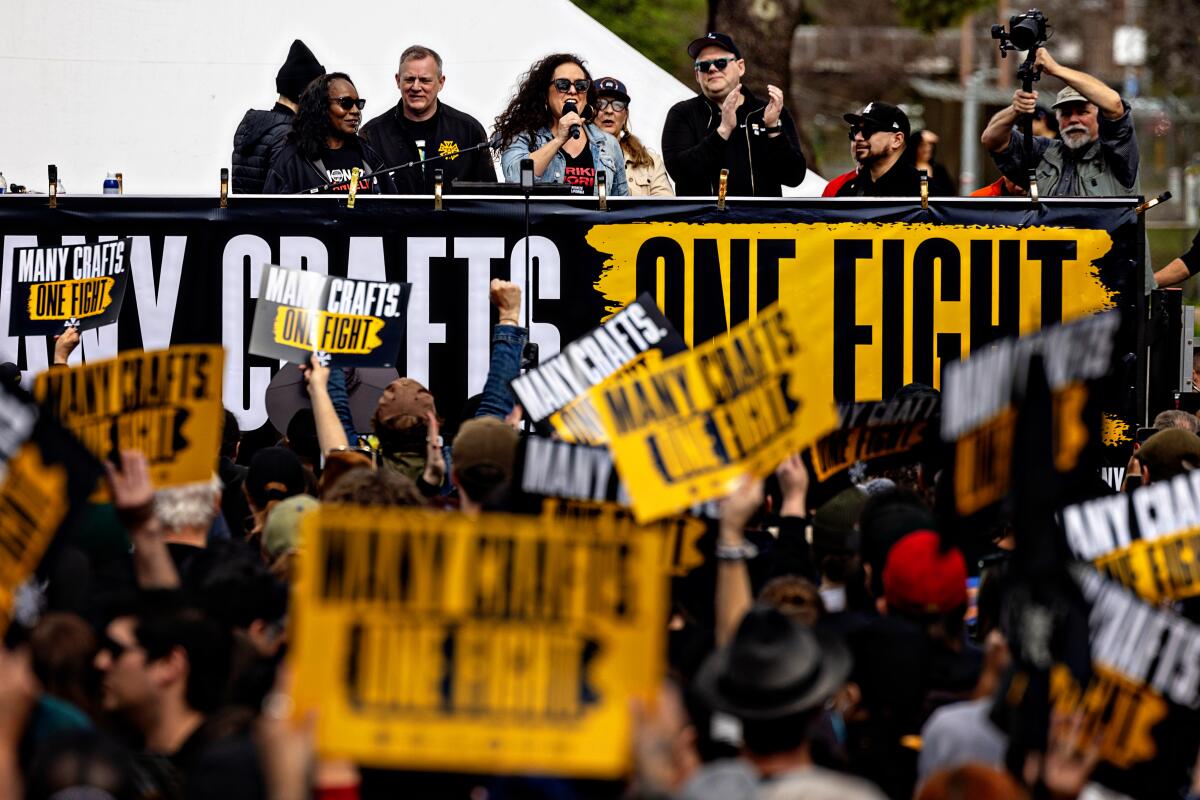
[
  {"x": 496, "y": 643},
  {"x": 70, "y": 299},
  {"x": 32, "y": 507},
  {"x": 165, "y": 403},
  {"x": 683, "y": 431},
  {"x": 325, "y": 331},
  {"x": 934, "y": 275},
  {"x": 1114, "y": 431}
]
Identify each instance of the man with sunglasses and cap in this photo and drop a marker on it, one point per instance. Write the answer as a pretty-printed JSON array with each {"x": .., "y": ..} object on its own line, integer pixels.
[
  {"x": 776, "y": 678},
  {"x": 727, "y": 127},
  {"x": 878, "y": 134}
]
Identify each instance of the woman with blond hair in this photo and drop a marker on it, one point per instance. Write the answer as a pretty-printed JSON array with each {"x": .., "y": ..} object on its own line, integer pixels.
[{"x": 644, "y": 169}]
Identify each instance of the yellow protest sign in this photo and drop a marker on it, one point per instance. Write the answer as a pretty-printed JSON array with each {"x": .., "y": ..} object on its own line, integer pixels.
[
  {"x": 165, "y": 403},
  {"x": 682, "y": 431},
  {"x": 497, "y": 643}
]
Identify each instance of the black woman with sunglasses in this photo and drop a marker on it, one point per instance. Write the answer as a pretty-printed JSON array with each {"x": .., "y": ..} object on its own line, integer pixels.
[
  {"x": 546, "y": 120},
  {"x": 324, "y": 147},
  {"x": 728, "y": 127}
]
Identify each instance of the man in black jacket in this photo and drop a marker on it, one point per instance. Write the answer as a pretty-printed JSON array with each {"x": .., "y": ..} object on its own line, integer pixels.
[
  {"x": 880, "y": 134},
  {"x": 728, "y": 127},
  {"x": 261, "y": 134},
  {"x": 421, "y": 127}
]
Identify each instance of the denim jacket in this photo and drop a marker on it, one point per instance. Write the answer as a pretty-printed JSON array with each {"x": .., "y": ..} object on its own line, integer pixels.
[
  {"x": 606, "y": 155},
  {"x": 508, "y": 343}
]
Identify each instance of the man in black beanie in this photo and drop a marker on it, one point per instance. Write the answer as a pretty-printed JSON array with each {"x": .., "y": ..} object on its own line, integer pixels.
[{"x": 261, "y": 134}]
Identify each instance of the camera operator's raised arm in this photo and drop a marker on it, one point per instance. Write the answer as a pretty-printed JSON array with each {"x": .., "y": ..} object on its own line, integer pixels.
[
  {"x": 1105, "y": 98},
  {"x": 998, "y": 133}
]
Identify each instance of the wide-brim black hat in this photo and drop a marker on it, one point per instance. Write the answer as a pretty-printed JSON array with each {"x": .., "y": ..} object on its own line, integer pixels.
[
  {"x": 287, "y": 394},
  {"x": 773, "y": 668}
]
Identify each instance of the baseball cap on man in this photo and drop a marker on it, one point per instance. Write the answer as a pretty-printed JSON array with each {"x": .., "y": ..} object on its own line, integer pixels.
[
  {"x": 1067, "y": 96},
  {"x": 485, "y": 442},
  {"x": 713, "y": 40},
  {"x": 922, "y": 577},
  {"x": 611, "y": 87},
  {"x": 884, "y": 116},
  {"x": 1169, "y": 453}
]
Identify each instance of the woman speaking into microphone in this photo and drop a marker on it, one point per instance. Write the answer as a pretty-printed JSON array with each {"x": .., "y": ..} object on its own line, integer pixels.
[{"x": 547, "y": 121}]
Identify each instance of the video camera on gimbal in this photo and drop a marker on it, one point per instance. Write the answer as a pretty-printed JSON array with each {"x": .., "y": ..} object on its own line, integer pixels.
[{"x": 1026, "y": 32}]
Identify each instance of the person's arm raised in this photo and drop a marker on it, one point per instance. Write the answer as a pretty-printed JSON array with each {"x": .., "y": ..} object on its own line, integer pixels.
[
  {"x": 998, "y": 134},
  {"x": 1107, "y": 99},
  {"x": 734, "y": 595},
  {"x": 133, "y": 499},
  {"x": 330, "y": 433}
]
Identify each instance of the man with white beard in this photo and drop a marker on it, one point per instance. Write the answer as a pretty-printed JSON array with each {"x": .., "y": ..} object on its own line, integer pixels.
[{"x": 1097, "y": 153}]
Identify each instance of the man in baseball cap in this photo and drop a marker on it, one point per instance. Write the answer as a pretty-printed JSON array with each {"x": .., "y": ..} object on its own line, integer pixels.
[
  {"x": 775, "y": 677},
  {"x": 727, "y": 127},
  {"x": 879, "y": 134}
]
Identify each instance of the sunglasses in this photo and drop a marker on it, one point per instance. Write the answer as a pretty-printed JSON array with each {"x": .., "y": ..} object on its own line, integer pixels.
[
  {"x": 719, "y": 63},
  {"x": 866, "y": 130},
  {"x": 616, "y": 105},
  {"x": 564, "y": 85},
  {"x": 348, "y": 103}
]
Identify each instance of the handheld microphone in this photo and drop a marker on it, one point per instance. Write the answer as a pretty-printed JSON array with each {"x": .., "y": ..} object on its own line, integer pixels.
[{"x": 568, "y": 107}]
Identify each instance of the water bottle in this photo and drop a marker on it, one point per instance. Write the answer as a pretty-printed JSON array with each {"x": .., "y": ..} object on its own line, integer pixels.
[
  {"x": 3, "y": 184},
  {"x": 111, "y": 186}
]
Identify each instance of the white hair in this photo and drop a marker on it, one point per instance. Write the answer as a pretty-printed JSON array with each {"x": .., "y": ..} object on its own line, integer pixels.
[{"x": 192, "y": 505}]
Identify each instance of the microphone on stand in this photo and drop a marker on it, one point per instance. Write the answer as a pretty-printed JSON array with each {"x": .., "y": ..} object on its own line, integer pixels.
[{"x": 568, "y": 107}]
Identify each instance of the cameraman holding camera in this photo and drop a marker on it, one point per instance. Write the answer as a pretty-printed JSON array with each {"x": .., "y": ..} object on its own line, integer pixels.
[{"x": 1096, "y": 154}]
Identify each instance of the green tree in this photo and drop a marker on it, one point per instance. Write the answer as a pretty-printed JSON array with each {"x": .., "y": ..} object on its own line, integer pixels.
[
  {"x": 933, "y": 15},
  {"x": 658, "y": 29}
]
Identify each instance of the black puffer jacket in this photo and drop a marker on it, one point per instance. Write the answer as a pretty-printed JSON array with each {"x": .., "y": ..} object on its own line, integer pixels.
[
  {"x": 292, "y": 172},
  {"x": 258, "y": 139}
]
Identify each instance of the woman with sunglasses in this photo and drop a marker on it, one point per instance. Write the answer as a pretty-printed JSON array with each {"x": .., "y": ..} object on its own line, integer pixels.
[
  {"x": 324, "y": 147},
  {"x": 644, "y": 169},
  {"x": 546, "y": 121}
]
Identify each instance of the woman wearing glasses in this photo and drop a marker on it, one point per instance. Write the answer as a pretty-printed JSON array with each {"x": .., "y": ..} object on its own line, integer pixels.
[
  {"x": 546, "y": 121},
  {"x": 324, "y": 147},
  {"x": 644, "y": 170}
]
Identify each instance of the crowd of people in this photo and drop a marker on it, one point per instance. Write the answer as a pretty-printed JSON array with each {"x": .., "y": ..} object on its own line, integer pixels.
[{"x": 836, "y": 649}]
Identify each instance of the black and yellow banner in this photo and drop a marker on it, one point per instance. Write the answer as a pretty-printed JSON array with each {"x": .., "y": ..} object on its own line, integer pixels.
[
  {"x": 165, "y": 403},
  {"x": 344, "y": 322},
  {"x": 495, "y": 644},
  {"x": 45, "y": 479},
  {"x": 81, "y": 286},
  {"x": 681, "y": 432},
  {"x": 904, "y": 291}
]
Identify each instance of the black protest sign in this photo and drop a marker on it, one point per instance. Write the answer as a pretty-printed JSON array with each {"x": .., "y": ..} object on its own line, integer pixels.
[
  {"x": 880, "y": 434},
  {"x": 546, "y": 467},
  {"x": 346, "y": 322},
  {"x": 982, "y": 395},
  {"x": 81, "y": 286},
  {"x": 1148, "y": 540},
  {"x": 586, "y": 362},
  {"x": 1141, "y": 701},
  {"x": 47, "y": 477}
]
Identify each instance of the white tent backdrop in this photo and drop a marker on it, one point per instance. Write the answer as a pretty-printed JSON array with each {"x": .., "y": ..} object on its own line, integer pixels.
[{"x": 155, "y": 88}]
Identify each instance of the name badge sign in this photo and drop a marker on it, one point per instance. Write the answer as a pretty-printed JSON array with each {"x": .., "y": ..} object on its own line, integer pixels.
[
  {"x": 494, "y": 644},
  {"x": 346, "y": 322},
  {"x": 165, "y": 403},
  {"x": 682, "y": 431},
  {"x": 80, "y": 286}
]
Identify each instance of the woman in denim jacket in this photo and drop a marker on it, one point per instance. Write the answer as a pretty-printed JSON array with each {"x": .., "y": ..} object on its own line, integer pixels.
[{"x": 535, "y": 125}]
